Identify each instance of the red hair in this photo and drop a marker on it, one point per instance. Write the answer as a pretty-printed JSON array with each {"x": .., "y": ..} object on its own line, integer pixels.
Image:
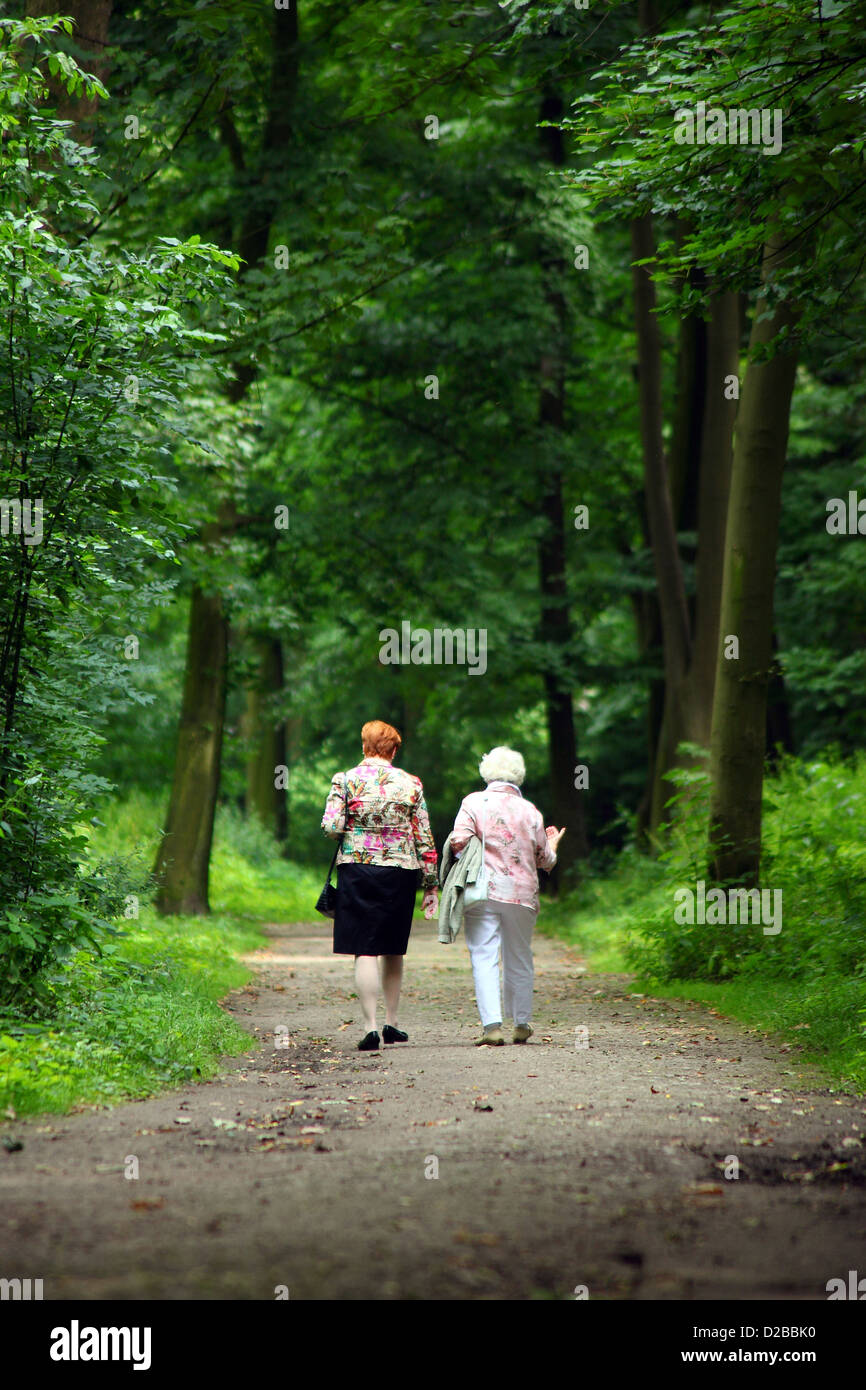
[{"x": 379, "y": 740}]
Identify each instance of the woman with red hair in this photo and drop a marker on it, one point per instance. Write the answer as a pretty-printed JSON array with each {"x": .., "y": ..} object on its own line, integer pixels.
[{"x": 379, "y": 813}]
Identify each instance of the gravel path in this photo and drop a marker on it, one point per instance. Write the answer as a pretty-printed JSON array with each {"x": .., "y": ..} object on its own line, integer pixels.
[{"x": 592, "y": 1158}]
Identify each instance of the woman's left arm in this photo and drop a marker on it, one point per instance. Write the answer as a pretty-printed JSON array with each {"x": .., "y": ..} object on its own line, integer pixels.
[
  {"x": 336, "y": 806},
  {"x": 425, "y": 845}
]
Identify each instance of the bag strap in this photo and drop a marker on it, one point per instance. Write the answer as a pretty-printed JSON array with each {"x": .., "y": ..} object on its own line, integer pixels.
[{"x": 345, "y": 824}]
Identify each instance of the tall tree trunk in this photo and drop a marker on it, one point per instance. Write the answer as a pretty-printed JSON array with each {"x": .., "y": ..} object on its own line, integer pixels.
[
  {"x": 183, "y": 874},
  {"x": 183, "y": 857},
  {"x": 683, "y": 468},
  {"x": 688, "y": 705},
  {"x": 566, "y": 806},
  {"x": 265, "y": 735},
  {"x": 738, "y": 740},
  {"x": 673, "y": 608},
  {"x": 672, "y": 496},
  {"x": 555, "y": 629},
  {"x": 689, "y": 402},
  {"x": 659, "y": 508},
  {"x": 716, "y": 458},
  {"x": 780, "y": 732}
]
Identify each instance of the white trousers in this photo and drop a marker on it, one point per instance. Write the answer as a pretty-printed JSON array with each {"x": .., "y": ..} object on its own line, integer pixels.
[{"x": 493, "y": 928}]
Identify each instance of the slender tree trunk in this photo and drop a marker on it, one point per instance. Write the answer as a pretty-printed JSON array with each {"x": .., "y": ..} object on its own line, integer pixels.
[
  {"x": 659, "y": 508},
  {"x": 673, "y": 607},
  {"x": 683, "y": 467},
  {"x": 182, "y": 871},
  {"x": 689, "y": 401},
  {"x": 566, "y": 807},
  {"x": 689, "y": 704},
  {"x": 183, "y": 857},
  {"x": 780, "y": 732},
  {"x": 716, "y": 458},
  {"x": 265, "y": 735},
  {"x": 738, "y": 740},
  {"x": 555, "y": 630}
]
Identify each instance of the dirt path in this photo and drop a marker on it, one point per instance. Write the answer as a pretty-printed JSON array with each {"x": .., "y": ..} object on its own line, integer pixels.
[{"x": 304, "y": 1165}]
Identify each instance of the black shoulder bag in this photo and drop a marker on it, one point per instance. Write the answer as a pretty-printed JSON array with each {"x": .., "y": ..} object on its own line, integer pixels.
[{"x": 326, "y": 903}]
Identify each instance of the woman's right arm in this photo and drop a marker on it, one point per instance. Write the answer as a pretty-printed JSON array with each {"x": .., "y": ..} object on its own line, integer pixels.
[
  {"x": 334, "y": 819},
  {"x": 464, "y": 828}
]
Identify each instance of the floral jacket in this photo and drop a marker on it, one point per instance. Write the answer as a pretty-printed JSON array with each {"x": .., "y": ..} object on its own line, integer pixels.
[
  {"x": 388, "y": 822},
  {"x": 515, "y": 843}
]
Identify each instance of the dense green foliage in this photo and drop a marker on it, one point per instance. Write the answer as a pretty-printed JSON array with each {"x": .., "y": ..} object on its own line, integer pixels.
[
  {"x": 337, "y": 273},
  {"x": 87, "y": 335}
]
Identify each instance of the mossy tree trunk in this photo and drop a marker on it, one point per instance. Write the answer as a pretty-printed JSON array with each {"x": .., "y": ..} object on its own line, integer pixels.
[
  {"x": 688, "y": 703},
  {"x": 738, "y": 738},
  {"x": 183, "y": 858}
]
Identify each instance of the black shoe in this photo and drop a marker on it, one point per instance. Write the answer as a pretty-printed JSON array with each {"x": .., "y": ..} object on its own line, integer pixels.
[
  {"x": 370, "y": 1043},
  {"x": 392, "y": 1035}
]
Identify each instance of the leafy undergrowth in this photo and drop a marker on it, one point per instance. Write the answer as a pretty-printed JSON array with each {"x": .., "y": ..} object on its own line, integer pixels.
[
  {"x": 141, "y": 1019},
  {"x": 806, "y": 985},
  {"x": 821, "y": 1020},
  {"x": 144, "y": 1016}
]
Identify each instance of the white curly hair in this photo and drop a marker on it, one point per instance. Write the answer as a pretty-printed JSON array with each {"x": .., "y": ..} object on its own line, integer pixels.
[{"x": 502, "y": 765}]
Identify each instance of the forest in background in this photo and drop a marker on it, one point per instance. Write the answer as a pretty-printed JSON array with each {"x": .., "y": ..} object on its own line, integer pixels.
[{"x": 323, "y": 319}]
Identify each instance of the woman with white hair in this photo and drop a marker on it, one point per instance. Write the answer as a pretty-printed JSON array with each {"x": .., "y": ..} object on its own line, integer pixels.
[{"x": 516, "y": 845}]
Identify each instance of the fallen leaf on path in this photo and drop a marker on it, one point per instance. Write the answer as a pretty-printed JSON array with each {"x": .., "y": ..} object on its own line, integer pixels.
[
  {"x": 146, "y": 1205},
  {"x": 312, "y": 1129},
  {"x": 463, "y": 1237}
]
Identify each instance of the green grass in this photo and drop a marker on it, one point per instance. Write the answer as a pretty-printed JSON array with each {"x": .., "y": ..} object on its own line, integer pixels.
[
  {"x": 806, "y": 987},
  {"x": 596, "y": 919},
  {"x": 134, "y": 1022},
  {"x": 600, "y": 919},
  {"x": 145, "y": 1016},
  {"x": 822, "y": 1018}
]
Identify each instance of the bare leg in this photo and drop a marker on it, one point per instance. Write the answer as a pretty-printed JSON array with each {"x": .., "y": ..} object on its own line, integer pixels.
[
  {"x": 367, "y": 986},
  {"x": 392, "y": 979}
]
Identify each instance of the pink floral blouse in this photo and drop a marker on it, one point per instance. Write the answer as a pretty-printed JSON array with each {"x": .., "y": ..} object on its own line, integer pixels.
[
  {"x": 388, "y": 821},
  {"x": 515, "y": 844}
]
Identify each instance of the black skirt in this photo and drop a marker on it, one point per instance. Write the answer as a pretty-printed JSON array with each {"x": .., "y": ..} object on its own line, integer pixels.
[{"x": 375, "y": 903}]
